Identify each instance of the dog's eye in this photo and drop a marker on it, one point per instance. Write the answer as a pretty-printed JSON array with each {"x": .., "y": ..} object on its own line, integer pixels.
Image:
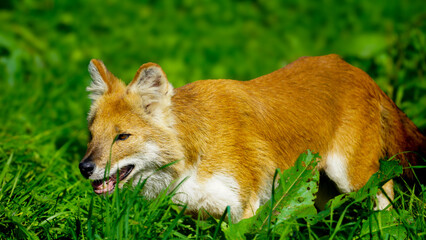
[{"x": 123, "y": 136}]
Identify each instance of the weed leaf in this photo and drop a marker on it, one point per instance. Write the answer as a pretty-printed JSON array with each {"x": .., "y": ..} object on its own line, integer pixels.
[
  {"x": 388, "y": 170},
  {"x": 293, "y": 198}
]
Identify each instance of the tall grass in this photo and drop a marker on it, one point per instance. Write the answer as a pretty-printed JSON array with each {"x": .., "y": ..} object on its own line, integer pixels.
[{"x": 41, "y": 207}]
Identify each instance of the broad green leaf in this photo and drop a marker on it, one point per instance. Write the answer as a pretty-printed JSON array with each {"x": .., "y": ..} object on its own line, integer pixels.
[
  {"x": 293, "y": 198},
  {"x": 388, "y": 170}
]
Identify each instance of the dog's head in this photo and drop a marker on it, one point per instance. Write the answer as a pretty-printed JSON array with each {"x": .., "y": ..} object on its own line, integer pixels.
[{"x": 131, "y": 128}]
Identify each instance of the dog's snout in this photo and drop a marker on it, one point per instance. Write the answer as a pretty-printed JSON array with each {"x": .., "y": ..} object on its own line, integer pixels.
[{"x": 86, "y": 168}]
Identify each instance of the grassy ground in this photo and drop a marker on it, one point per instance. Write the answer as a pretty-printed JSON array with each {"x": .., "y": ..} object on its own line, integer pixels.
[{"x": 45, "y": 47}]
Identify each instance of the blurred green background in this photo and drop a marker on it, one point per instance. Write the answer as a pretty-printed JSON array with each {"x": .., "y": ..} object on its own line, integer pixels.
[{"x": 46, "y": 45}]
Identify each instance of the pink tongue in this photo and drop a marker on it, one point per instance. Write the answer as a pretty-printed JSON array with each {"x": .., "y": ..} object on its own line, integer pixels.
[{"x": 105, "y": 187}]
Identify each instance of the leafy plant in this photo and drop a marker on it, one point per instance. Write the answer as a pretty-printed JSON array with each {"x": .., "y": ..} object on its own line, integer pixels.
[
  {"x": 291, "y": 209},
  {"x": 292, "y": 199}
]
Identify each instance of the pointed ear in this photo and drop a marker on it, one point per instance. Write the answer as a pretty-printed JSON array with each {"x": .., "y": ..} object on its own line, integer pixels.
[
  {"x": 150, "y": 82},
  {"x": 100, "y": 79}
]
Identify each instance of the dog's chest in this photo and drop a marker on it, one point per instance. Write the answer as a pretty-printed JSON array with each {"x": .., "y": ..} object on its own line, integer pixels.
[{"x": 213, "y": 194}]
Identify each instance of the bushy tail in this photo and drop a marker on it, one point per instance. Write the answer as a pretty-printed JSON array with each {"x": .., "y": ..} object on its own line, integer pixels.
[{"x": 402, "y": 138}]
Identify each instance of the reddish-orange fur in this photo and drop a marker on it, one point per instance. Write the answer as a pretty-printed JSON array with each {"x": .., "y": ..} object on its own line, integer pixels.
[
  {"x": 248, "y": 129},
  {"x": 303, "y": 105}
]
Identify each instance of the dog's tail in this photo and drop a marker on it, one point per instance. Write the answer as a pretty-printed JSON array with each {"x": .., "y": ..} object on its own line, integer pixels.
[{"x": 402, "y": 138}]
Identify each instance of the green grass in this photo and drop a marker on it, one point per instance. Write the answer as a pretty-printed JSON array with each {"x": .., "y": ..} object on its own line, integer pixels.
[
  {"x": 40, "y": 207},
  {"x": 45, "y": 47}
]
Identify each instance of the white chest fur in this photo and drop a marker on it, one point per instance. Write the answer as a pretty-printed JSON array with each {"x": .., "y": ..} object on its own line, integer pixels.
[{"x": 213, "y": 194}]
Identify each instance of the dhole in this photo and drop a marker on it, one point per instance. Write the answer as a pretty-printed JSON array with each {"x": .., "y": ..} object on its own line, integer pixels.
[{"x": 230, "y": 136}]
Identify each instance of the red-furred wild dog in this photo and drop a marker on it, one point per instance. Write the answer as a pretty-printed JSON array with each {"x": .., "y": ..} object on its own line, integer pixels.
[{"x": 230, "y": 136}]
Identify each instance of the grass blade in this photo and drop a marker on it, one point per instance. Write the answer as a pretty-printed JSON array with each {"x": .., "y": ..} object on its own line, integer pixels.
[{"x": 5, "y": 169}]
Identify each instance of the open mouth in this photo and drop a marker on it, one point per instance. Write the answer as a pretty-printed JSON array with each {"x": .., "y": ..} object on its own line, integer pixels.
[{"x": 107, "y": 186}]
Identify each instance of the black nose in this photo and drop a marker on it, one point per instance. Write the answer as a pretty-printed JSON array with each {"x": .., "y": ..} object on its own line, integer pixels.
[{"x": 86, "y": 168}]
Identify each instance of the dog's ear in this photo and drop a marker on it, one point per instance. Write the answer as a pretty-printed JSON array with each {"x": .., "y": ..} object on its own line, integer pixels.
[
  {"x": 102, "y": 79},
  {"x": 151, "y": 84},
  {"x": 150, "y": 77}
]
